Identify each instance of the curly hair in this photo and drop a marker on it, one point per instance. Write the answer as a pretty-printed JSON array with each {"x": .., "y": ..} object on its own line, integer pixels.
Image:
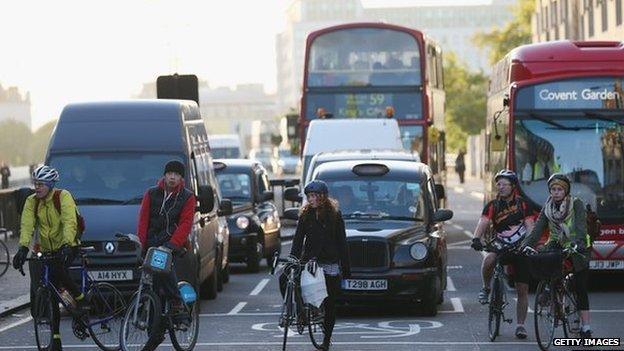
[{"x": 328, "y": 207}]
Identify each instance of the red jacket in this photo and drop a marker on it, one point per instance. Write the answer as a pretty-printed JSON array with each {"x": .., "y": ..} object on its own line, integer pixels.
[{"x": 185, "y": 222}]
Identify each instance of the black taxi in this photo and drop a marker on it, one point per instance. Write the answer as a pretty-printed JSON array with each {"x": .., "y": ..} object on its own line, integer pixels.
[
  {"x": 396, "y": 240},
  {"x": 255, "y": 223}
]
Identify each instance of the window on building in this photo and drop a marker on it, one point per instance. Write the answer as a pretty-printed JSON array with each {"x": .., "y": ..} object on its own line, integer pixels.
[
  {"x": 603, "y": 14},
  {"x": 590, "y": 19},
  {"x": 618, "y": 12}
]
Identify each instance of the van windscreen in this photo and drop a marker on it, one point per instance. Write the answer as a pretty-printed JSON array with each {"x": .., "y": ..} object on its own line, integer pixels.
[{"x": 109, "y": 178}]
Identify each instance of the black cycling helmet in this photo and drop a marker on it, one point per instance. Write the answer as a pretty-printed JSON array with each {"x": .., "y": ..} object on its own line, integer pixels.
[
  {"x": 507, "y": 174},
  {"x": 560, "y": 179},
  {"x": 316, "y": 186}
]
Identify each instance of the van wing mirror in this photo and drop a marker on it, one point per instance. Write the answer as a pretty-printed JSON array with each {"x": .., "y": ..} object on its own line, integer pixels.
[
  {"x": 225, "y": 207},
  {"x": 442, "y": 215},
  {"x": 267, "y": 196},
  {"x": 206, "y": 199},
  {"x": 292, "y": 194},
  {"x": 291, "y": 213},
  {"x": 440, "y": 192}
]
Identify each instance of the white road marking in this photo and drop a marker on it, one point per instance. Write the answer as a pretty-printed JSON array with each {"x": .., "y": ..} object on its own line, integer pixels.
[
  {"x": 237, "y": 308},
  {"x": 458, "y": 190},
  {"x": 284, "y": 243},
  {"x": 259, "y": 287},
  {"x": 458, "y": 227},
  {"x": 457, "y": 305},
  {"x": 477, "y": 194},
  {"x": 455, "y": 267},
  {"x": 468, "y": 233},
  {"x": 449, "y": 284},
  {"x": 15, "y": 324},
  {"x": 457, "y": 243}
]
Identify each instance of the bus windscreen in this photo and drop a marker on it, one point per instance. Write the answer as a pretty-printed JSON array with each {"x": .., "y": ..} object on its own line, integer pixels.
[{"x": 364, "y": 57}]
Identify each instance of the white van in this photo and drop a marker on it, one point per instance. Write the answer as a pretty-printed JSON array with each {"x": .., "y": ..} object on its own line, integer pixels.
[
  {"x": 326, "y": 135},
  {"x": 225, "y": 146}
]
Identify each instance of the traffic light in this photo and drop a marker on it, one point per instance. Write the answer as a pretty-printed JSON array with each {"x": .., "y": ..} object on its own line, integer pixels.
[{"x": 178, "y": 87}]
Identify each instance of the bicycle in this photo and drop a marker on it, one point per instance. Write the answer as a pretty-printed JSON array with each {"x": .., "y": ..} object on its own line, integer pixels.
[
  {"x": 555, "y": 298},
  {"x": 105, "y": 305},
  {"x": 294, "y": 311},
  {"x": 498, "y": 293},
  {"x": 147, "y": 317},
  {"x": 5, "y": 257}
]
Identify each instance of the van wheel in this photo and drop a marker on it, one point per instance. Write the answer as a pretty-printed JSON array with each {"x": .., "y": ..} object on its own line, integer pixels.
[
  {"x": 225, "y": 273},
  {"x": 254, "y": 258},
  {"x": 219, "y": 273},
  {"x": 208, "y": 288}
]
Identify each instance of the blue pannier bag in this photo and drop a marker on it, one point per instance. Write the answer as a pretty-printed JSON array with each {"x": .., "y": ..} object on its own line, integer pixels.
[{"x": 187, "y": 292}]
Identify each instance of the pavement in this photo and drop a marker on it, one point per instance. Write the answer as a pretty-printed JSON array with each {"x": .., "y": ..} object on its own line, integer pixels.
[{"x": 14, "y": 294}]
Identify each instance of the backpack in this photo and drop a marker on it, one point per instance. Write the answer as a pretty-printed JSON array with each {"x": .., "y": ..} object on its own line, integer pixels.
[
  {"x": 593, "y": 224},
  {"x": 56, "y": 200}
]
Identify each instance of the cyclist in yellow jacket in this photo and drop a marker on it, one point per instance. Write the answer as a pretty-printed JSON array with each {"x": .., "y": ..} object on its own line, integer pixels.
[{"x": 57, "y": 234}]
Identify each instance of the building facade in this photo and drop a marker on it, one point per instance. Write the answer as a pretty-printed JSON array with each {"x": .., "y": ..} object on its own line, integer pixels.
[
  {"x": 453, "y": 27},
  {"x": 578, "y": 20},
  {"x": 15, "y": 107}
]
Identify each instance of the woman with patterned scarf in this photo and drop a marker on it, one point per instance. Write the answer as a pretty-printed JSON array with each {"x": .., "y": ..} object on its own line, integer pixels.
[{"x": 565, "y": 218}]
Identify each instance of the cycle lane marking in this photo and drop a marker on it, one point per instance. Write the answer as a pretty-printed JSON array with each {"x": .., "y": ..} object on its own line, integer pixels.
[
  {"x": 259, "y": 287},
  {"x": 237, "y": 308}
]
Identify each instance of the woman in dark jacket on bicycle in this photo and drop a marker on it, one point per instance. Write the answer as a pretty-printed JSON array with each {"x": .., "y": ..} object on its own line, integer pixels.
[
  {"x": 322, "y": 229},
  {"x": 565, "y": 218}
]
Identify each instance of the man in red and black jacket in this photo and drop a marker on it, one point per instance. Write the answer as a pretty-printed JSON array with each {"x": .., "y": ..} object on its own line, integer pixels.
[{"x": 165, "y": 219}]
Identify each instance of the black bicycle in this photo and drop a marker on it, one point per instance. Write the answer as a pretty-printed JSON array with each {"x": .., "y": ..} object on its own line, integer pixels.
[
  {"x": 5, "y": 257},
  {"x": 555, "y": 298},
  {"x": 498, "y": 293},
  {"x": 294, "y": 312},
  {"x": 102, "y": 318},
  {"x": 149, "y": 316}
]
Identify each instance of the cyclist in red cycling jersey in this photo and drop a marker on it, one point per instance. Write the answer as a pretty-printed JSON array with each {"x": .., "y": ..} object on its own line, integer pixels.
[{"x": 510, "y": 219}]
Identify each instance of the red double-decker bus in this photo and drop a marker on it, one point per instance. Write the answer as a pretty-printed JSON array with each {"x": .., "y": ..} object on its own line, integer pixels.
[
  {"x": 377, "y": 70},
  {"x": 558, "y": 107}
]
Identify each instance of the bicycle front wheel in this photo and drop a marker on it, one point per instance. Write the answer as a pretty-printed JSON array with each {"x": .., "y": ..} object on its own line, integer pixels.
[
  {"x": 5, "y": 257},
  {"x": 496, "y": 309},
  {"x": 572, "y": 325},
  {"x": 184, "y": 334},
  {"x": 44, "y": 315},
  {"x": 287, "y": 314},
  {"x": 106, "y": 312},
  {"x": 544, "y": 315},
  {"x": 141, "y": 322},
  {"x": 316, "y": 324}
]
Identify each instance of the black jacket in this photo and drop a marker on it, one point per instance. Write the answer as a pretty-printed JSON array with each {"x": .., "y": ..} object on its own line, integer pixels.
[{"x": 325, "y": 240}]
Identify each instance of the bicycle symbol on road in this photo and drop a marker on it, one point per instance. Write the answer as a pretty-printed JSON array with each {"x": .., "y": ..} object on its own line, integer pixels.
[{"x": 386, "y": 329}]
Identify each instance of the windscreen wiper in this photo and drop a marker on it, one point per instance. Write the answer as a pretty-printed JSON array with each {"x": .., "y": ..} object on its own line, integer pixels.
[
  {"x": 602, "y": 117},
  {"x": 360, "y": 214},
  {"x": 403, "y": 218},
  {"x": 97, "y": 200}
]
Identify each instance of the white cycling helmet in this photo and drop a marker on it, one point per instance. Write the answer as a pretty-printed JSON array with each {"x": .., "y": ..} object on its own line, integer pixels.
[{"x": 45, "y": 174}]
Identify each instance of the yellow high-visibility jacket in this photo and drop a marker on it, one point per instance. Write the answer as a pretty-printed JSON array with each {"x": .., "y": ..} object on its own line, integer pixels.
[{"x": 55, "y": 229}]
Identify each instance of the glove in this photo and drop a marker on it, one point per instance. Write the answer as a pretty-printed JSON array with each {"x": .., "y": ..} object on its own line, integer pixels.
[
  {"x": 20, "y": 257},
  {"x": 476, "y": 244},
  {"x": 68, "y": 254},
  {"x": 174, "y": 249}
]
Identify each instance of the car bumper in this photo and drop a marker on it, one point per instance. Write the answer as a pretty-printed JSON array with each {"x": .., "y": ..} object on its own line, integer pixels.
[
  {"x": 402, "y": 285},
  {"x": 241, "y": 246}
]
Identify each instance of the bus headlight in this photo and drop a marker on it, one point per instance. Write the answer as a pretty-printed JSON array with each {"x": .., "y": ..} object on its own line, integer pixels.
[
  {"x": 418, "y": 251},
  {"x": 242, "y": 222}
]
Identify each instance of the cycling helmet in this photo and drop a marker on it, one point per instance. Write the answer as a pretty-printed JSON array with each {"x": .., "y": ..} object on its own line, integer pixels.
[
  {"x": 316, "y": 186},
  {"x": 560, "y": 179},
  {"x": 507, "y": 174},
  {"x": 45, "y": 174}
]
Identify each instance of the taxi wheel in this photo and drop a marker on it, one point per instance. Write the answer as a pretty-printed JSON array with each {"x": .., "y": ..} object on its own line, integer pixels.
[{"x": 429, "y": 303}]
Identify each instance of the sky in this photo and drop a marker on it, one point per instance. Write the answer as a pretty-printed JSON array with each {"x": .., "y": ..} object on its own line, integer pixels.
[{"x": 66, "y": 51}]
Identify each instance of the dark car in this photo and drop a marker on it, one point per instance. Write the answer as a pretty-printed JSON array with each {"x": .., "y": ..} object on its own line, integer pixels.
[
  {"x": 109, "y": 154},
  {"x": 395, "y": 236},
  {"x": 254, "y": 225}
]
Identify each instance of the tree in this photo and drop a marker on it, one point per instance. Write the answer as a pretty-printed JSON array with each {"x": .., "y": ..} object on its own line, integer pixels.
[
  {"x": 465, "y": 101},
  {"x": 15, "y": 138},
  {"x": 40, "y": 141},
  {"x": 500, "y": 41}
]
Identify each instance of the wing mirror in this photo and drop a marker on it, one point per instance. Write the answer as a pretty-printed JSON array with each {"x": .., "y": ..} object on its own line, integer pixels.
[
  {"x": 291, "y": 213},
  {"x": 292, "y": 194},
  {"x": 442, "y": 215},
  {"x": 206, "y": 199},
  {"x": 225, "y": 207}
]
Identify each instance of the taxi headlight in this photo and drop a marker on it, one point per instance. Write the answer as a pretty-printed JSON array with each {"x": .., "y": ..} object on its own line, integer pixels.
[
  {"x": 242, "y": 222},
  {"x": 418, "y": 251}
]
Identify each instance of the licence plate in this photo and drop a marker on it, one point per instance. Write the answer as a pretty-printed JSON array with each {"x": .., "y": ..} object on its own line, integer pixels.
[
  {"x": 364, "y": 284},
  {"x": 111, "y": 275},
  {"x": 606, "y": 264}
]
